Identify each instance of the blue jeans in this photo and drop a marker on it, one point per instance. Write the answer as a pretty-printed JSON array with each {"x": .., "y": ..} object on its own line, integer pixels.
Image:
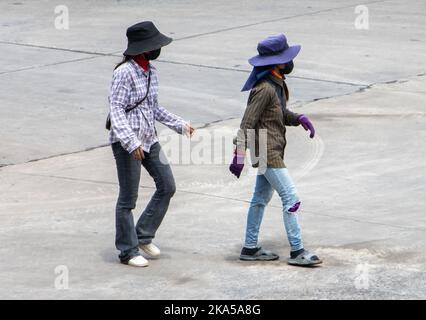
[
  {"x": 128, "y": 237},
  {"x": 277, "y": 179}
]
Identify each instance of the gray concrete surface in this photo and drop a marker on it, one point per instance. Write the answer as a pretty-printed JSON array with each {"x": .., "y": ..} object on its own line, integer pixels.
[{"x": 362, "y": 180}]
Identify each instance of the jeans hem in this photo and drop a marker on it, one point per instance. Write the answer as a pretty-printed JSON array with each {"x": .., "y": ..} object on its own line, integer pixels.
[{"x": 144, "y": 243}]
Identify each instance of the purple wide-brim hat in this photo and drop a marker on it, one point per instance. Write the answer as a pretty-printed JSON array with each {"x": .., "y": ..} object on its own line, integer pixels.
[{"x": 274, "y": 50}]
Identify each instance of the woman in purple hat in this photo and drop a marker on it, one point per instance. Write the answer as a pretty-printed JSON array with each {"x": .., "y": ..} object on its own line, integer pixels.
[{"x": 262, "y": 130}]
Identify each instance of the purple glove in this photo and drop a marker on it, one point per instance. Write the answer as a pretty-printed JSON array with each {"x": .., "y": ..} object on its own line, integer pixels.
[
  {"x": 237, "y": 164},
  {"x": 307, "y": 124}
]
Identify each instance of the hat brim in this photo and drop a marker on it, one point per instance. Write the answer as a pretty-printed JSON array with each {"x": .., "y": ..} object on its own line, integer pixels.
[
  {"x": 283, "y": 57},
  {"x": 154, "y": 43}
]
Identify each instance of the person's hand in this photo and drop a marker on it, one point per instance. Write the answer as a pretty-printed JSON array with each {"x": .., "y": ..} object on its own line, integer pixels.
[
  {"x": 237, "y": 164},
  {"x": 189, "y": 131},
  {"x": 138, "y": 154},
  {"x": 307, "y": 125}
]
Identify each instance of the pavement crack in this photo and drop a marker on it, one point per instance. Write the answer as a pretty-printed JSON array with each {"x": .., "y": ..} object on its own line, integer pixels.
[
  {"x": 48, "y": 65},
  {"x": 93, "y": 55},
  {"x": 4, "y": 165},
  {"x": 248, "y": 71},
  {"x": 115, "y": 53},
  {"x": 55, "y": 48},
  {"x": 197, "y": 193},
  {"x": 205, "y": 125},
  {"x": 363, "y": 88},
  {"x": 209, "y": 124},
  {"x": 68, "y": 153}
]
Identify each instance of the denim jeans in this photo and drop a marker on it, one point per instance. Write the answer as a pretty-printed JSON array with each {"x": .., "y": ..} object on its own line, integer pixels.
[
  {"x": 277, "y": 179},
  {"x": 128, "y": 237}
]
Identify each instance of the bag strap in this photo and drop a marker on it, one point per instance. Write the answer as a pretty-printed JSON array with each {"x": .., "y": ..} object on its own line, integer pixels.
[{"x": 146, "y": 95}]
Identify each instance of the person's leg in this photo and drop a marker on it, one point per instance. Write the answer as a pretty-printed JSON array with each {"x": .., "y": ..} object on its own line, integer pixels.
[
  {"x": 128, "y": 171},
  {"x": 261, "y": 197},
  {"x": 156, "y": 164},
  {"x": 281, "y": 181}
]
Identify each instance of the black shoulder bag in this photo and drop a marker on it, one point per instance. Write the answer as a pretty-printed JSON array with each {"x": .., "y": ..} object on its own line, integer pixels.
[{"x": 108, "y": 120}]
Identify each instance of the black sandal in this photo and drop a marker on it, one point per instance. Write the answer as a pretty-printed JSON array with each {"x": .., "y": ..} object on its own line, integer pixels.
[{"x": 306, "y": 258}]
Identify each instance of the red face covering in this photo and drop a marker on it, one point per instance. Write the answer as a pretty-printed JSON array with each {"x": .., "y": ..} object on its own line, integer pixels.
[{"x": 142, "y": 62}]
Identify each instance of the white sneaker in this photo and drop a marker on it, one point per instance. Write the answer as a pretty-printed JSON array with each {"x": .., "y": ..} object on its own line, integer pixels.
[
  {"x": 150, "y": 249},
  {"x": 138, "y": 261}
]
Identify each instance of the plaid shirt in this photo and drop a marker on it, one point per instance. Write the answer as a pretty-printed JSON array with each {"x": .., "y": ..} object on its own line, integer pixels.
[{"x": 137, "y": 127}]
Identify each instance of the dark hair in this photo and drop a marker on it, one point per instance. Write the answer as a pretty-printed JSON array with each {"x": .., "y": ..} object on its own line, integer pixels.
[{"x": 125, "y": 59}]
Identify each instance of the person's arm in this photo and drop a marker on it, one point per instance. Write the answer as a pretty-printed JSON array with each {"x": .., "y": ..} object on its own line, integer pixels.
[
  {"x": 169, "y": 119},
  {"x": 295, "y": 119},
  {"x": 257, "y": 102},
  {"x": 119, "y": 99},
  {"x": 172, "y": 121},
  {"x": 307, "y": 125}
]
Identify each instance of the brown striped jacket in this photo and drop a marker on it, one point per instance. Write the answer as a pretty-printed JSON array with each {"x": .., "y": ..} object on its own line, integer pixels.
[{"x": 265, "y": 111}]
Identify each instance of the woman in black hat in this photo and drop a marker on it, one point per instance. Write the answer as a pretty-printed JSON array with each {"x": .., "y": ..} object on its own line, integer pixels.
[{"x": 134, "y": 108}]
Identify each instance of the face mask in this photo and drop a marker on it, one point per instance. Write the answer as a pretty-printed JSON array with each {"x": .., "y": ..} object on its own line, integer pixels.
[
  {"x": 288, "y": 68},
  {"x": 152, "y": 55}
]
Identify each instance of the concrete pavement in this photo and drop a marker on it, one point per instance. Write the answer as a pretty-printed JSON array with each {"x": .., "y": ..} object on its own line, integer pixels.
[{"x": 361, "y": 180}]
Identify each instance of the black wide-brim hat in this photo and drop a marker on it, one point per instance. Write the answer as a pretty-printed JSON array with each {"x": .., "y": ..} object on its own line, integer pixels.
[{"x": 143, "y": 37}]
